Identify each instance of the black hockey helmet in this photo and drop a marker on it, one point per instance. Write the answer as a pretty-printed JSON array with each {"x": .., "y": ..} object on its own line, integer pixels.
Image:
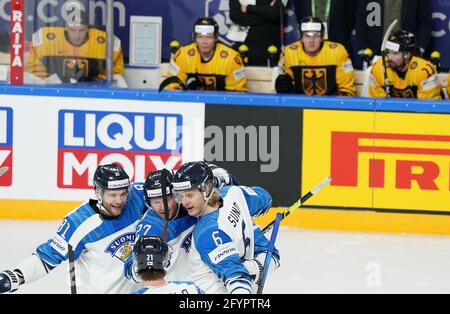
[
  {"x": 206, "y": 25},
  {"x": 154, "y": 182},
  {"x": 402, "y": 41},
  {"x": 195, "y": 174},
  {"x": 312, "y": 24},
  {"x": 111, "y": 177},
  {"x": 151, "y": 253}
]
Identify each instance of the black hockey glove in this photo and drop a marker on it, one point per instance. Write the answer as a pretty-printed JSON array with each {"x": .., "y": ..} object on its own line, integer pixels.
[{"x": 284, "y": 84}]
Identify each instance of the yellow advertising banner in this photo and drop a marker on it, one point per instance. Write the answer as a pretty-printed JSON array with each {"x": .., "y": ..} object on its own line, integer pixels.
[{"x": 382, "y": 160}]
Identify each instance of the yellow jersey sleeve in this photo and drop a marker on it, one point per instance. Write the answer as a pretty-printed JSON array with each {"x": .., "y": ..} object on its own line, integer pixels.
[
  {"x": 177, "y": 68},
  {"x": 427, "y": 81},
  {"x": 376, "y": 80},
  {"x": 345, "y": 74},
  {"x": 33, "y": 62},
  {"x": 448, "y": 85},
  {"x": 236, "y": 77}
]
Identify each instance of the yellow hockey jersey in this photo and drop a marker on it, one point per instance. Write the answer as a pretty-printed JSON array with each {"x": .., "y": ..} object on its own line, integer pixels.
[
  {"x": 328, "y": 73},
  {"x": 51, "y": 53},
  {"x": 420, "y": 81},
  {"x": 448, "y": 86},
  {"x": 223, "y": 72}
]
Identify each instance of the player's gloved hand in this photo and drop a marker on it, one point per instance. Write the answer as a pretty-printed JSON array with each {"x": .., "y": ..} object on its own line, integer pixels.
[
  {"x": 284, "y": 84},
  {"x": 221, "y": 176},
  {"x": 255, "y": 269},
  {"x": 10, "y": 281},
  {"x": 193, "y": 83}
]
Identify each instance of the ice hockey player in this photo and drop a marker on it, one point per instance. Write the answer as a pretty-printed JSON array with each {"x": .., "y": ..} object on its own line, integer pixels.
[
  {"x": 228, "y": 249},
  {"x": 100, "y": 231},
  {"x": 409, "y": 76},
  {"x": 152, "y": 256},
  {"x": 176, "y": 227},
  {"x": 206, "y": 64},
  {"x": 315, "y": 66}
]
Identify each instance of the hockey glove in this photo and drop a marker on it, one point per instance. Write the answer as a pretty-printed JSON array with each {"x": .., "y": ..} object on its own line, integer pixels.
[
  {"x": 194, "y": 83},
  {"x": 284, "y": 84},
  {"x": 10, "y": 280},
  {"x": 255, "y": 269}
]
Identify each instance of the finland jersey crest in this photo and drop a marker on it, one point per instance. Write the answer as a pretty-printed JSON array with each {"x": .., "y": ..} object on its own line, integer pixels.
[{"x": 120, "y": 247}]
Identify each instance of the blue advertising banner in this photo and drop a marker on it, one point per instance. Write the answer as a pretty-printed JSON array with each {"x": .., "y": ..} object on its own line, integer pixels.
[{"x": 179, "y": 16}]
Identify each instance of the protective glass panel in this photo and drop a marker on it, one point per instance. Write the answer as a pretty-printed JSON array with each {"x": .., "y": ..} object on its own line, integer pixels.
[{"x": 64, "y": 42}]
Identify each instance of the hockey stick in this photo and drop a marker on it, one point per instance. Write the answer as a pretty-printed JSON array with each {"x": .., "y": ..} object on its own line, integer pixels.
[
  {"x": 164, "y": 185},
  {"x": 73, "y": 282},
  {"x": 299, "y": 203},
  {"x": 273, "y": 238},
  {"x": 3, "y": 170},
  {"x": 387, "y": 87}
]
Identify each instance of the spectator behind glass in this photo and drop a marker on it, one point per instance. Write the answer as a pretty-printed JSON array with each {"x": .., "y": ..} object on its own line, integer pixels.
[
  {"x": 339, "y": 16},
  {"x": 259, "y": 23},
  {"x": 413, "y": 15},
  {"x": 73, "y": 53}
]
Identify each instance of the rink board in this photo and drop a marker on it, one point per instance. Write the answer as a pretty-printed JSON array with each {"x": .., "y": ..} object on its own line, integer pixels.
[
  {"x": 388, "y": 158},
  {"x": 384, "y": 160}
]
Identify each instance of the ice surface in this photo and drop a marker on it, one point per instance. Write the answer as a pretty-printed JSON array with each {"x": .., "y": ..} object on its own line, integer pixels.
[{"x": 312, "y": 261}]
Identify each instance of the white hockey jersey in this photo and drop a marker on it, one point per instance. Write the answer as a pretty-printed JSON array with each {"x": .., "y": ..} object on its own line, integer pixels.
[
  {"x": 222, "y": 239},
  {"x": 100, "y": 245}
]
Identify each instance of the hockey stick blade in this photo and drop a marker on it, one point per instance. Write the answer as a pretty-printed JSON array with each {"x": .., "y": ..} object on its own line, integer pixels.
[
  {"x": 388, "y": 33},
  {"x": 3, "y": 170},
  {"x": 300, "y": 202}
]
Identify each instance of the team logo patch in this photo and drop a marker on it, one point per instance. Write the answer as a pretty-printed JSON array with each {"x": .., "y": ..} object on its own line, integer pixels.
[
  {"x": 314, "y": 81},
  {"x": 120, "y": 247},
  {"x": 101, "y": 39},
  {"x": 51, "y": 36},
  {"x": 191, "y": 52},
  {"x": 413, "y": 65},
  {"x": 293, "y": 47},
  {"x": 223, "y": 54},
  {"x": 333, "y": 46}
]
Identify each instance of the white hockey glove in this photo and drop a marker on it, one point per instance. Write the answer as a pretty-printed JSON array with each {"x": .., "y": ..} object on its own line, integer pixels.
[
  {"x": 221, "y": 176},
  {"x": 10, "y": 280},
  {"x": 255, "y": 269}
]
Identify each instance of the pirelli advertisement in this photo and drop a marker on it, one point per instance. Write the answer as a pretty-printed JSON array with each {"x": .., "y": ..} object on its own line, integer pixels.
[{"x": 383, "y": 160}]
